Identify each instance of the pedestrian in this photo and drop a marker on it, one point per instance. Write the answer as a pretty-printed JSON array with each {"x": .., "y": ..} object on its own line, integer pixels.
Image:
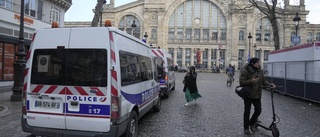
[
  {"x": 230, "y": 72},
  {"x": 253, "y": 78},
  {"x": 190, "y": 86}
]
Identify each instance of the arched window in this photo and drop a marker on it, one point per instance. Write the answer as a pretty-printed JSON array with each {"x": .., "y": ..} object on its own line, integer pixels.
[
  {"x": 126, "y": 25},
  {"x": 241, "y": 35},
  {"x": 292, "y": 34},
  {"x": 205, "y": 22},
  {"x": 309, "y": 37},
  {"x": 318, "y": 36}
]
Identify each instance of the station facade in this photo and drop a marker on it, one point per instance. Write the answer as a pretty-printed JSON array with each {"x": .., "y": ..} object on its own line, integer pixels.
[{"x": 207, "y": 33}]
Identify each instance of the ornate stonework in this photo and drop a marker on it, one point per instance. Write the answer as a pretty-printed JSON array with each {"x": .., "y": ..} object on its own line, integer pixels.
[
  {"x": 242, "y": 19},
  {"x": 154, "y": 16}
]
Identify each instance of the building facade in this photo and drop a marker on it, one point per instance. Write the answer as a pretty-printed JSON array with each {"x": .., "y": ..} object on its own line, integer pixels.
[
  {"x": 207, "y": 33},
  {"x": 38, "y": 14}
]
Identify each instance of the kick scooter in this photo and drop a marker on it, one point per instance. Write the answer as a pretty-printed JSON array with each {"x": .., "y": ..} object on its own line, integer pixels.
[{"x": 273, "y": 127}]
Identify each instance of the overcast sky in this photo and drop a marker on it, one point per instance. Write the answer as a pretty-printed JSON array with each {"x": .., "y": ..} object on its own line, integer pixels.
[{"x": 81, "y": 10}]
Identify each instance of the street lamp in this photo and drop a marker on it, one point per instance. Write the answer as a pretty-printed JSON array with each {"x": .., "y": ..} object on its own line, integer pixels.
[
  {"x": 249, "y": 37},
  {"x": 104, "y": 2},
  {"x": 296, "y": 20},
  {"x": 20, "y": 64},
  {"x": 133, "y": 26}
]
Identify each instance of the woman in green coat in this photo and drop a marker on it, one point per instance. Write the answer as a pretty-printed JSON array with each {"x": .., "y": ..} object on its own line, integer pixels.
[{"x": 190, "y": 86}]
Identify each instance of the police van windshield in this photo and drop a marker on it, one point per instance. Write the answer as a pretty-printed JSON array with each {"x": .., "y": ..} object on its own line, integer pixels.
[{"x": 74, "y": 67}]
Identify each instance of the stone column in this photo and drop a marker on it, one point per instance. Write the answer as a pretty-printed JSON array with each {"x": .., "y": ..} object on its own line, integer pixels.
[
  {"x": 183, "y": 57},
  {"x": 192, "y": 58},
  {"x": 218, "y": 58},
  {"x": 175, "y": 56},
  {"x": 209, "y": 65},
  {"x": 262, "y": 57}
]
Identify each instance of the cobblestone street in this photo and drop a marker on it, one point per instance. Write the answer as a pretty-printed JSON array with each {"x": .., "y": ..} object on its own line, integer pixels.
[{"x": 218, "y": 114}]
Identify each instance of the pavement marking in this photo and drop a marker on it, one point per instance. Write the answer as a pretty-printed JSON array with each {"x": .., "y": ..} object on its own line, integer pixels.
[{"x": 3, "y": 109}]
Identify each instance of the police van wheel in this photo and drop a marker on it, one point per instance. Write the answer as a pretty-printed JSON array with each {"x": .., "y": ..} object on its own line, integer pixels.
[
  {"x": 132, "y": 127},
  {"x": 157, "y": 107}
]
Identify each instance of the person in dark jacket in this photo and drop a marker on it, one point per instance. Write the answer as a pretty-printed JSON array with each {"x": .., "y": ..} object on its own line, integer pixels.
[
  {"x": 190, "y": 86},
  {"x": 253, "y": 78}
]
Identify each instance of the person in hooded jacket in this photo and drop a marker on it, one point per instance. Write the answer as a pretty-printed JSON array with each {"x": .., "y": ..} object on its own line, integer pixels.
[
  {"x": 253, "y": 78},
  {"x": 190, "y": 86}
]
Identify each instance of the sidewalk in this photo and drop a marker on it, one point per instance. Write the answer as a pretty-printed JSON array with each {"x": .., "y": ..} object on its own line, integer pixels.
[
  {"x": 5, "y": 103},
  {"x": 10, "y": 114}
]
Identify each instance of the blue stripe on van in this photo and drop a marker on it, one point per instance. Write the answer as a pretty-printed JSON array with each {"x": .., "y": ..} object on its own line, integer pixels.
[
  {"x": 27, "y": 105},
  {"x": 91, "y": 109},
  {"x": 142, "y": 97}
]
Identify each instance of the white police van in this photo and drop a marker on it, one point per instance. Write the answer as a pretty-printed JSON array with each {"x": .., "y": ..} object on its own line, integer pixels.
[
  {"x": 94, "y": 81},
  {"x": 167, "y": 79}
]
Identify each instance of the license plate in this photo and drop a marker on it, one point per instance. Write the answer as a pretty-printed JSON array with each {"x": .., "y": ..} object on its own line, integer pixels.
[{"x": 45, "y": 104}]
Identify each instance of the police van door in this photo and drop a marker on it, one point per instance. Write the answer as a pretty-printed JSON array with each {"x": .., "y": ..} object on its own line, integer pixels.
[
  {"x": 46, "y": 79},
  {"x": 87, "y": 102}
]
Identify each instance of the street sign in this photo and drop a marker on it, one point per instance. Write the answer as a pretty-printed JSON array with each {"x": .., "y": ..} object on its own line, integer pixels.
[{"x": 295, "y": 40}]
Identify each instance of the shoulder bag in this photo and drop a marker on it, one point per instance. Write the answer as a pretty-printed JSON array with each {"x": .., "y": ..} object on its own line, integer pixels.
[{"x": 242, "y": 91}]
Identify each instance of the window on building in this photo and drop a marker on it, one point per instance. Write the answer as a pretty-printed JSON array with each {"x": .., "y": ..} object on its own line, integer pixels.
[
  {"x": 223, "y": 35},
  {"x": 266, "y": 55},
  {"x": 258, "y": 35},
  {"x": 40, "y": 7},
  {"x": 258, "y": 54},
  {"x": 241, "y": 35},
  {"x": 171, "y": 34},
  {"x": 267, "y": 35},
  {"x": 188, "y": 34},
  {"x": 263, "y": 29},
  {"x": 240, "y": 54},
  {"x": 197, "y": 34},
  {"x": 205, "y": 54},
  {"x": 213, "y": 54},
  {"x": 206, "y": 34},
  {"x": 309, "y": 37},
  {"x": 30, "y": 8},
  {"x": 55, "y": 14},
  {"x": 222, "y": 54},
  {"x": 180, "y": 34},
  {"x": 214, "y": 35},
  {"x": 6, "y": 4},
  {"x": 318, "y": 36}
]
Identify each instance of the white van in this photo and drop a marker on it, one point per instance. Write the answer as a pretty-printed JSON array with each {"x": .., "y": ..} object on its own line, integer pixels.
[
  {"x": 167, "y": 79},
  {"x": 87, "y": 82}
]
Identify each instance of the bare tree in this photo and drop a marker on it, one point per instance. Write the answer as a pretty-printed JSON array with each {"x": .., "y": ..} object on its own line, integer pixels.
[{"x": 269, "y": 8}]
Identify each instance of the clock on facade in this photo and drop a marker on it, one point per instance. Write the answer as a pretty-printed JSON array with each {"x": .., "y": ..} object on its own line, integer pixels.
[{"x": 197, "y": 20}]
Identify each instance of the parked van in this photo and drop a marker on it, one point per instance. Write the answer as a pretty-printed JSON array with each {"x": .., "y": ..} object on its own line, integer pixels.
[
  {"x": 94, "y": 81},
  {"x": 167, "y": 78}
]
